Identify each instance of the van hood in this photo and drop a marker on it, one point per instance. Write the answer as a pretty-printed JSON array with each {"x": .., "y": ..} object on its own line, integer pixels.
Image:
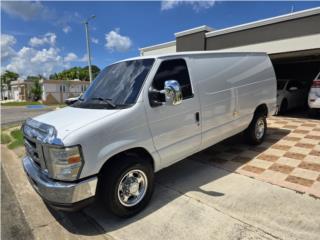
[{"x": 68, "y": 119}]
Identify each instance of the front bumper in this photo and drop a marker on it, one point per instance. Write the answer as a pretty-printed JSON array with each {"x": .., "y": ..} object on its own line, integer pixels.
[
  {"x": 315, "y": 103},
  {"x": 62, "y": 195}
]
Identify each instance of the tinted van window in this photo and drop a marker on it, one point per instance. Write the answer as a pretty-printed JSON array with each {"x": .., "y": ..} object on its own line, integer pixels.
[{"x": 174, "y": 70}]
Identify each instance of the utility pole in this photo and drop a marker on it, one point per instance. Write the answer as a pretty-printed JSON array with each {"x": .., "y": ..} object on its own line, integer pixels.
[{"x": 86, "y": 25}]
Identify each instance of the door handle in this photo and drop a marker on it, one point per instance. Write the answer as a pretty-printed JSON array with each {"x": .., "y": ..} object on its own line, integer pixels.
[{"x": 197, "y": 116}]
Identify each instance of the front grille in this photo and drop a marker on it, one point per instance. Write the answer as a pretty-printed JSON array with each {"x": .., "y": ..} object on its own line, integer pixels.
[{"x": 35, "y": 151}]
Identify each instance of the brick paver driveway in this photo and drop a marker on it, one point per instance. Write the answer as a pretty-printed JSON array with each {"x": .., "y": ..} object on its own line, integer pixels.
[{"x": 289, "y": 157}]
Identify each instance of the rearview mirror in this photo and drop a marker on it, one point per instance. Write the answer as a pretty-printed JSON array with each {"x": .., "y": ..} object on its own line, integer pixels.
[{"x": 172, "y": 92}]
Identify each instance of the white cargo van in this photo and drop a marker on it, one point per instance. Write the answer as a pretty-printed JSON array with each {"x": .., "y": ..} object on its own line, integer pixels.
[{"x": 141, "y": 115}]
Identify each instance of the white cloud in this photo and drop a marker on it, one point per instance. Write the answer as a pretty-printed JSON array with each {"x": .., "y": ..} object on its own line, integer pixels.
[
  {"x": 33, "y": 61},
  {"x": 95, "y": 40},
  {"x": 30, "y": 61},
  {"x": 48, "y": 38},
  {"x": 66, "y": 29},
  {"x": 7, "y": 42},
  {"x": 25, "y": 9},
  {"x": 196, "y": 5},
  {"x": 116, "y": 42},
  {"x": 71, "y": 57},
  {"x": 85, "y": 58}
]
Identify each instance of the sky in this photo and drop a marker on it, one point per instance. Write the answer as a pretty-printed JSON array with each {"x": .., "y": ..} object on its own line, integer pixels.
[{"x": 47, "y": 37}]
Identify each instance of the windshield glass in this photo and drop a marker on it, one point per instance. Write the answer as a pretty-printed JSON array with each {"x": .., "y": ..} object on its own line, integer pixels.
[{"x": 118, "y": 85}]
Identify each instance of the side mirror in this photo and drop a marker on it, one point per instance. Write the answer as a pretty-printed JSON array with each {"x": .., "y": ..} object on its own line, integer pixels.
[
  {"x": 172, "y": 92},
  {"x": 293, "y": 89}
]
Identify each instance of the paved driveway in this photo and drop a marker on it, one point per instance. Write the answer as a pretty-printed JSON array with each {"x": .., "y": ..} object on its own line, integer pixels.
[
  {"x": 207, "y": 196},
  {"x": 289, "y": 157}
]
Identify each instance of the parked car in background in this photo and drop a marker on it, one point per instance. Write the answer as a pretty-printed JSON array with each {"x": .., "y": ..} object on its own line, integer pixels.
[
  {"x": 314, "y": 96},
  {"x": 142, "y": 115},
  {"x": 291, "y": 94},
  {"x": 72, "y": 100}
]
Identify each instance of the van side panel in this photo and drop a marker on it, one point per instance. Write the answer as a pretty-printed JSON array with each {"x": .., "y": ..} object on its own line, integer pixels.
[
  {"x": 217, "y": 97},
  {"x": 256, "y": 86},
  {"x": 231, "y": 86}
]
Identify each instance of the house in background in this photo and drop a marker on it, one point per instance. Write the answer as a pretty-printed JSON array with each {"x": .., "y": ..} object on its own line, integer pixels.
[
  {"x": 57, "y": 91},
  {"x": 53, "y": 91},
  {"x": 5, "y": 92},
  {"x": 21, "y": 89}
]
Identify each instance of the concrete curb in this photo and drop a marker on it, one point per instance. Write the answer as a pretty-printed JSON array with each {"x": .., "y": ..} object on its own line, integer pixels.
[{"x": 43, "y": 222}]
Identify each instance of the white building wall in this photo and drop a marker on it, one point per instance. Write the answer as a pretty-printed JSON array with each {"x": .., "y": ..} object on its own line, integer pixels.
[
  {"x": 170, "y": 49},
  {"x": 163, "y": 48}
]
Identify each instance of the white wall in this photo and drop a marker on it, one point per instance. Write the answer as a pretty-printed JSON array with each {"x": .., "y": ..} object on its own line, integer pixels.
[{"x": 163, "y": 50}]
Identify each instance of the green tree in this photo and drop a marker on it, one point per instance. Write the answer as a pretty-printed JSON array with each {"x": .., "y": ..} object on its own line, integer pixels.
[
  {"x": 7, "y": 77},
  {"x": 36, "y": 90},
  {"x": 34, "y": 78},
  {"x": 76, "y": 73},
  {"x": 94, "y": 69}
]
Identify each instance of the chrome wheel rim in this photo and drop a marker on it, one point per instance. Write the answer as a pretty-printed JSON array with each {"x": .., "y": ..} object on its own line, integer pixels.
[
  {"x": 132, "y": 188},
  {"x": 260, "y": 127}
]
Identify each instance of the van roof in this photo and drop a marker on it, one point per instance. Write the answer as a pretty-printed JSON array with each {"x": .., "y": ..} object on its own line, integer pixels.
[{"x": 193, "y": 53}]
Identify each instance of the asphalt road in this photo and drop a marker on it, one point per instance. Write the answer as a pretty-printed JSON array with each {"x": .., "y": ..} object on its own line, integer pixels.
[
  {"x": 14, "y": 115},
  {"x": 13, "y": 224}
]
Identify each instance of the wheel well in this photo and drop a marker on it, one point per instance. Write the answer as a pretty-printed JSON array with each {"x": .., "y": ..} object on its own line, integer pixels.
[
  {"x": 145, "y": 156},
  {"x": 261, "y": 109}
]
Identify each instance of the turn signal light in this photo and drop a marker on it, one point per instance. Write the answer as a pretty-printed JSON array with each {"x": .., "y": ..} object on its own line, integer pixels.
[{"x": 316, "y": 84}]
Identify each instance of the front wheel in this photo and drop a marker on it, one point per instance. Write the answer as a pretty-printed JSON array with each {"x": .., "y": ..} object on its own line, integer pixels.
[
  {"x": 257, "y": 129},
  {"x": 126, "y": 188}
]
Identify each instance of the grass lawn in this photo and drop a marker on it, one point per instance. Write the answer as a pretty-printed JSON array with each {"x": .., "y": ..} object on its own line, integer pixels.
[
  {"x": 17, "y": 139},
  {"x": 20, "y": 103},
  {"x": 13, "y": 138},
  {"x": 5, "y": 138}
]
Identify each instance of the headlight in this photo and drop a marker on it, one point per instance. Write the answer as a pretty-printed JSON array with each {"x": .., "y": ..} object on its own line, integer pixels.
[{"x": 66, "y": 163}]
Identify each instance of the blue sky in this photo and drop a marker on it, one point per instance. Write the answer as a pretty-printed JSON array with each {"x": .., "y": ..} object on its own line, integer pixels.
[{"x": 45, "y": 37}]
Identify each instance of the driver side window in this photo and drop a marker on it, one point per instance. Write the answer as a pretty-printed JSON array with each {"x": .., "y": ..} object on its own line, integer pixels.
[{"x": 174, "y": 70}]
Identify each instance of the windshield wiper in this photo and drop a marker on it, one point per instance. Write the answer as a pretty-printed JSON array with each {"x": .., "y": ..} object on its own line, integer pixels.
[{"x": 105, "y": 100}]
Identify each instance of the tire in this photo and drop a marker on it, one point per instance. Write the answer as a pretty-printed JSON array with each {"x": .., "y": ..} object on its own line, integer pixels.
[
  {"x": 111, "y": 178},
  {"x": 283, "y": 107},
  {"x": 252, "y": 133}
]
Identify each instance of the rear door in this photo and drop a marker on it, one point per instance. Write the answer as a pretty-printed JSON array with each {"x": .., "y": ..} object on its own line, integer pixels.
[{"x": 175, "y": 129}]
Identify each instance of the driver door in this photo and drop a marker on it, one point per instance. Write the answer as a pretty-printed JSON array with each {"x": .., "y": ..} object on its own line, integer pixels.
[{"x": 175, "y": 129}]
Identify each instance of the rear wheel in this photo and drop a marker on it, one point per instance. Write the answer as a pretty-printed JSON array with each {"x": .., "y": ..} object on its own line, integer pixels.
[
  {"x": 257, "y": 129},
  {"x": 126, "y": 187}
]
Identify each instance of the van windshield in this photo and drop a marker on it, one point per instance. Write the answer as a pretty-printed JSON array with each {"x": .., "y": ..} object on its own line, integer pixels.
[{"x": 117, "y": 86}]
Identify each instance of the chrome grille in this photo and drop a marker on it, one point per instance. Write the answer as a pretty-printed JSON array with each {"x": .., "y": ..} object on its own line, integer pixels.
[
  {"x": 35, "y": 151},
  {"x": 32, "y": 151},
  {"x": 37, "y": 135}
]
